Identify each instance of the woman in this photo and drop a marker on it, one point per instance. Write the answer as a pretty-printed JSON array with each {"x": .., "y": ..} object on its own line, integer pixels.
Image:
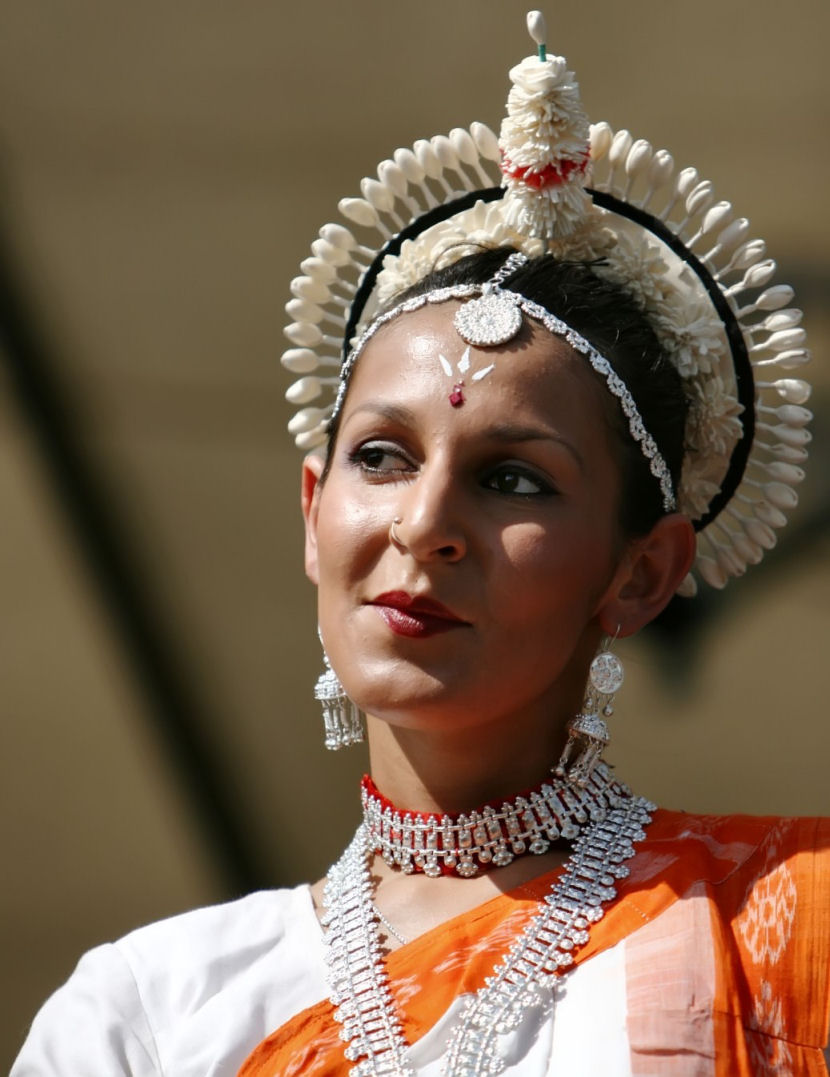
[{"x": 543, "y": 397}]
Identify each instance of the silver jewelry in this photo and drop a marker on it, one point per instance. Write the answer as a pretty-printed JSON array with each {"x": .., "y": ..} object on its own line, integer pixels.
[
  {"x": 341, "y": 716},
  {"x": 359, "y": 983},
  {"x": 389, "y": 927},
  {"x": 588, "y": 732},
  {"x": 393, "y": 535},
  {"x": 490, "y": 836},
  {"x": 482, "y": 323},
  {"x": 705, "y": 283},
  {"x": 495, "y": 317}
]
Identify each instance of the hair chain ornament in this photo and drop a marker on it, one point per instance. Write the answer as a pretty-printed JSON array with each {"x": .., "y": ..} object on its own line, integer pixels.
[
  {"x": 522, "y": 979},
  {"x": 485, "y": 322},
  {"x": 492, "y": 835}
]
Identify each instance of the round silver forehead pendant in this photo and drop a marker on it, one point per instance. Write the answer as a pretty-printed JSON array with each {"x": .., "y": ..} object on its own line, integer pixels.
[{"x": 492, "y": 319}]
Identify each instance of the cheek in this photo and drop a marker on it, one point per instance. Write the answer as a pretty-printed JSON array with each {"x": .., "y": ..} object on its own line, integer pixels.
[
  {"x": 349, "y": 534},
  {"x": 550, "y": 573}
]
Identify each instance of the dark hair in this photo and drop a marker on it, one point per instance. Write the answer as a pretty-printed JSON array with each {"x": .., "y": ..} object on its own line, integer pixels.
[{"x": 610, "y": 319}]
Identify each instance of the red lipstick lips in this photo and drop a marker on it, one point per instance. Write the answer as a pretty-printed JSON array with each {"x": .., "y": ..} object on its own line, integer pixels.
[{"x": 414, "y": 616}]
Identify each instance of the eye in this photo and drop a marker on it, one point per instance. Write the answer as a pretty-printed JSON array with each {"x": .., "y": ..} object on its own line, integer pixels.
[
  {"x": 380, "y": 458},
  {"x": 517, "y": 481}
]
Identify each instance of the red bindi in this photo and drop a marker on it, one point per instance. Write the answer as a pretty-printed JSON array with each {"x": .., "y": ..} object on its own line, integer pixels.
[{"x": 457, "y": 394}]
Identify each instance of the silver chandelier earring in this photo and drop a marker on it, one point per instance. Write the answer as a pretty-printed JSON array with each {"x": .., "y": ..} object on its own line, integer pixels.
[
  {"x": 341, "y": 715},
  {"x": 588, "y": 731}
]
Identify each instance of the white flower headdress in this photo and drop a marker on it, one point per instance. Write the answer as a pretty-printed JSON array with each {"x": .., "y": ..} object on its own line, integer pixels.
[{"x": 552, "y": 182}]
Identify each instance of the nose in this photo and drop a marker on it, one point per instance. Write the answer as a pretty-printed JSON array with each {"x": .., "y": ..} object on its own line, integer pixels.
[{"x": 429, "y": 522}]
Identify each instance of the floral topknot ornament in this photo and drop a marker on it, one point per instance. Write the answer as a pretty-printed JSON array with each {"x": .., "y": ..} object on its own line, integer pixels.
[
  {"x": 544, "y": 145},
  {"x": 688, "y": 260}
]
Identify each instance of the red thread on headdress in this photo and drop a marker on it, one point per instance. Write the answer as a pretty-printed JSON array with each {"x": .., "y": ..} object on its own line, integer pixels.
[{"x": 552, "y": 175}]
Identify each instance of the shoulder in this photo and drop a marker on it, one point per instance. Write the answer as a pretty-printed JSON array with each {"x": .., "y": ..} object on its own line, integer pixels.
[
  {"x": 724, "y": 844},
  {"x": 223, "y": 975},
  {"x": 767, "y": 878},
  {"x": 218, "y": 933},
  {"x": 740, "y": 909},
  {"x": 235, "y": 953},
  {"x": 737, "y": 858}
]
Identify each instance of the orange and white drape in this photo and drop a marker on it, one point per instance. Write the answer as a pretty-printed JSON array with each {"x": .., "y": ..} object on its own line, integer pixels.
[{"x": 725, "y": 923}]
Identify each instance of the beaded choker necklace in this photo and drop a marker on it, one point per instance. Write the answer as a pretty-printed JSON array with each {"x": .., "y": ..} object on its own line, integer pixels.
[
  {"x": 608, "y": 821},
  {"x": 492, "y": 835}
]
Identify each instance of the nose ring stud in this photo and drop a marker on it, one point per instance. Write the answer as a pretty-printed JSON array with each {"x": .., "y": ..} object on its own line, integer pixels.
[{"x": 394, "y": 538}]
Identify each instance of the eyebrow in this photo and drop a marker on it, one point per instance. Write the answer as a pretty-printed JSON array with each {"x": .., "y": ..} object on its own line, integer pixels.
[
  {"x": 389, "y": 411},
  {"x": 510, "y": 432},
  {"x": 507, "y": 433}
]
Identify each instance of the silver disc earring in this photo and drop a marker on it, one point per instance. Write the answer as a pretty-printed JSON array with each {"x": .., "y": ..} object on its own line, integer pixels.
[
  {"x": 588, "y": 732},
  {"x": 341, "y": 715}
]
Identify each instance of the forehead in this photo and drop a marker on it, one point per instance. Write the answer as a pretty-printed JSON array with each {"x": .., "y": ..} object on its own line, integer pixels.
[{"x": 421, "y": 355}]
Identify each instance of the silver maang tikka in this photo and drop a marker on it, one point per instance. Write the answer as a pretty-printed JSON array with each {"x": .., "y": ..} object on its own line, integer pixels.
[{"x": 588, "y": 731}]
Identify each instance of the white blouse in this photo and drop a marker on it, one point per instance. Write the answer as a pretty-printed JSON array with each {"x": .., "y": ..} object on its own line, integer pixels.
[{"x": 193, "y": 995}]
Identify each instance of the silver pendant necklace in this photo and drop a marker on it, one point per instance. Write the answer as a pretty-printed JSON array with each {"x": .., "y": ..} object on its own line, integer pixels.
[{"x": 356, "y": 971}]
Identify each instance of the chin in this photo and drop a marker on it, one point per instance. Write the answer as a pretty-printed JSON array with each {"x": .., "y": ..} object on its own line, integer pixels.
[
  {"x": 434, "y": 708},
  {"x": 412, "y": 705}
]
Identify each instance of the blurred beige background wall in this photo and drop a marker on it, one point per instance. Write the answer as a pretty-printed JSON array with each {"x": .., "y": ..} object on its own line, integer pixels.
[{"x": 164, "y": 167}]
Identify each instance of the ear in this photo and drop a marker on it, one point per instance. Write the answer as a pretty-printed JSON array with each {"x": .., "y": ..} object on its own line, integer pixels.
[
  {"x": 310, "y": 499},
  {"x": 652, "y": 569}
]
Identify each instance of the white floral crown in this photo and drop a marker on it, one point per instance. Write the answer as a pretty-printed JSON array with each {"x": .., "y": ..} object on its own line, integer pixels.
[{"x": 554, "y": 183}]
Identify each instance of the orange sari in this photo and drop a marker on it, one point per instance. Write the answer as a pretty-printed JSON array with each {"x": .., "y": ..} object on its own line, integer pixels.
[{"x": 727, "y": 928}]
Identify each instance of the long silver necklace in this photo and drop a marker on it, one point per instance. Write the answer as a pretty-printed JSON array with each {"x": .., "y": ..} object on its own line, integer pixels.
[{"x": 356, "y": 970}]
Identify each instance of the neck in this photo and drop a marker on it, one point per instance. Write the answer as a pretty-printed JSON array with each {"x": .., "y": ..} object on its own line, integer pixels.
[{"x": 457, "y": 770}]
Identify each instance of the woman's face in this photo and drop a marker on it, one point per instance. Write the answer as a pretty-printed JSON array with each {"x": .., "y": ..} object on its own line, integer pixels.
[{"x": 490, "y": 603}]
